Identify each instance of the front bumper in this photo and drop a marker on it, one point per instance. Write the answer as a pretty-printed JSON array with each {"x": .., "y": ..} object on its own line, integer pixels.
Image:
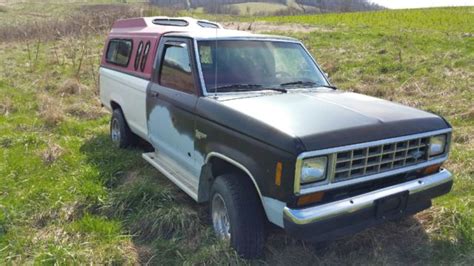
[{"x": 339, "y": 218}]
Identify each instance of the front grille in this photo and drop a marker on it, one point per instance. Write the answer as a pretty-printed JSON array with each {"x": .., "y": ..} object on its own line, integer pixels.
[{"x": 380, "y": 158}]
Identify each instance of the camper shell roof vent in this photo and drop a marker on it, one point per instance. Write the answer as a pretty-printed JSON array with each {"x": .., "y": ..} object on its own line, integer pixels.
[
  {"x": 208, "y": 24},
  {"x": 184, "y": 22},
  {"x": 170, "y": 22},
  {"x": 161, "y": 25}
]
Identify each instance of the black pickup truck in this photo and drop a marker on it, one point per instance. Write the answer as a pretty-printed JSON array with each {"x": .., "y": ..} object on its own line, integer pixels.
[{"x": 250, "y": 124}]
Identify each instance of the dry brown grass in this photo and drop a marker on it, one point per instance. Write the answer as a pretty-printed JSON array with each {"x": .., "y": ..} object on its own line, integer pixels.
[
  {"x": 89, "y": 19},
  {"x": 50, "y": 109},
  {"x": 262, "y": 27},
  {"x": 72, "y": 86},
  {"x": 69, "y": 99},
  {"x": 51, "y": 153},
  {"x": 469, "y": 115},
  {"x": 85, "y": 111},
  {"x": 6, "y": 106},
  {"x": 463, "y": 136},
  {"x": 123, "y": 252},
  {"x": 67, "y": 213}
]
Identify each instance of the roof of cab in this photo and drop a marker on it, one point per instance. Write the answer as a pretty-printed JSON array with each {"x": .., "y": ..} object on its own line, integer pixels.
[
  {"x": 184, "y": 27},
  {"x": 220, "y": 34}
]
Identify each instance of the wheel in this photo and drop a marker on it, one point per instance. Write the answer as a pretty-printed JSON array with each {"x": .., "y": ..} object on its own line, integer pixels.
[
  {"x": 237, "y": 215},
  {"x": 120, "y": 133}
]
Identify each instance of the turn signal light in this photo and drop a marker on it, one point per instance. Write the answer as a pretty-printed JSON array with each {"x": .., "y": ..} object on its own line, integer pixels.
[
  {"x": 310, "y": 198},
  {"x": 431, "y": 169},
  {"x": 278, "y": 170}
]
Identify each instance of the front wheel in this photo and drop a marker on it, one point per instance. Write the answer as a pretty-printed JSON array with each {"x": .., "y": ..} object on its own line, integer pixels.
[{"x": 237, "y": 215}]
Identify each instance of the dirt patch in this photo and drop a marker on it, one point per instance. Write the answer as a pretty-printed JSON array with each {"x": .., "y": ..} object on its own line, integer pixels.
[{"x": 261, "y": 27}]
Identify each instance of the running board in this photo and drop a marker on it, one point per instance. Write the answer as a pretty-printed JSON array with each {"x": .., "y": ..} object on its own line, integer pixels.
[{"x": 168, "y": 167}]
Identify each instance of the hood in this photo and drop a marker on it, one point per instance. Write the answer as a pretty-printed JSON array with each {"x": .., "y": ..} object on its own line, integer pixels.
[{"x": 325, "y": 119}]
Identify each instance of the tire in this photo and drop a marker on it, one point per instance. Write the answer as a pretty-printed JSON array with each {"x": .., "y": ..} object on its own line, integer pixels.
[
  {"x": 120, "y": 133},
  {"x": 245, "y": 215}
]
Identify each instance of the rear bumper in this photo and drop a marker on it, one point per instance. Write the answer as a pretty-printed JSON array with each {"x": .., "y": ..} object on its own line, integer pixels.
[{"x": 336, "y": 219}]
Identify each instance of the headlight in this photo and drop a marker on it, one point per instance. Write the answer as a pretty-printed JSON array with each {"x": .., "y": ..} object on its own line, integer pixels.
[
  {"x": 437, "y": 145},
  {"x": 313, "y": 169}
]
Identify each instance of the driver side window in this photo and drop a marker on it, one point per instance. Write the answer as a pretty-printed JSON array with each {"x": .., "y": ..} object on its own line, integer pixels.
[{"x": 176, "y": 71}]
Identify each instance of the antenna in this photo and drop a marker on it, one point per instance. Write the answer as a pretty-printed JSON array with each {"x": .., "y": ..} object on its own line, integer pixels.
[{"x": 215, "y": 57}]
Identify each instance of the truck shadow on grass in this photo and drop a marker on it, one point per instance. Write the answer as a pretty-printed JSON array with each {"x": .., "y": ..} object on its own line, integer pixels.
[{"x": 169, "y": 227}]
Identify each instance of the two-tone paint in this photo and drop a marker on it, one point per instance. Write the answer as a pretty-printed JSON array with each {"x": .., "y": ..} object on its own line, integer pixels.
[{"x": 252, "y": 131}]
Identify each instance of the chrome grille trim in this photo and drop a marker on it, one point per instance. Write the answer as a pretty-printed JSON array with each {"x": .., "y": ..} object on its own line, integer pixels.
[
  {"x": 330, "y": 183},
  {"x": 380, "y": 158}
]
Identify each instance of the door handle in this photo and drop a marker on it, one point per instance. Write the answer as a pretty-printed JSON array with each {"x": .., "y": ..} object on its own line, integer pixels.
[{"x": 154, "y": 94}]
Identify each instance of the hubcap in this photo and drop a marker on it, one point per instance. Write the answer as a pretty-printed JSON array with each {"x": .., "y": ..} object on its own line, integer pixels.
[
  {"x": 220, "y": 217},
  {"x": 115, "y": 132}
]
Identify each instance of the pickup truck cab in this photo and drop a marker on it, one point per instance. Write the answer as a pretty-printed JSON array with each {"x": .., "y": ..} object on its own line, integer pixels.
[{"x": 251, "y": 124}]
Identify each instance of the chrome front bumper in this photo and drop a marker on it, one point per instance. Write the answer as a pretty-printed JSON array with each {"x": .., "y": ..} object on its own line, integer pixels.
[{"x": 353, "y": 205}]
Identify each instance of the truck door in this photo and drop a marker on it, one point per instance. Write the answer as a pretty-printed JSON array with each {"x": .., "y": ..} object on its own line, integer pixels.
[{"x": 171, "y": 100}]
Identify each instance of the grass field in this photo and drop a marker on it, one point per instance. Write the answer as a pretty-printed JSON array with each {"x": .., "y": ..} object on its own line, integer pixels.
[
  {"x": 259, "y": 8},
  {"x": 67, "y": 196},
  {"x": 254, "y": 7}
]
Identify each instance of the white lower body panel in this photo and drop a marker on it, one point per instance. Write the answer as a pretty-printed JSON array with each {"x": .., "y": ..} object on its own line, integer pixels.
[{"x": 130, "y": 93}]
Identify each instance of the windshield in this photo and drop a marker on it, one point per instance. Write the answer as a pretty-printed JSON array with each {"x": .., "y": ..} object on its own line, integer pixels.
[{"x": 238, "y": 65}]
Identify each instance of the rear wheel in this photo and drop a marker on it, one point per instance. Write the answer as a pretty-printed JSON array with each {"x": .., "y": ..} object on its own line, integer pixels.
[
  {"x": 237, "y": 215},
  {"x": 120, "y": 133}
]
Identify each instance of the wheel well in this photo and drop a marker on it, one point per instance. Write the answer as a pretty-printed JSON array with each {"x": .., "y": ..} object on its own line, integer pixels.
[
  {"x": 114, "y": 105},
  {"x": 219, "y": 166}
]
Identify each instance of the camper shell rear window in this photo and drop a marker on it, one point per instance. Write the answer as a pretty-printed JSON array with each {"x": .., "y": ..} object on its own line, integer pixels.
[{"x": 119, "y": 52}]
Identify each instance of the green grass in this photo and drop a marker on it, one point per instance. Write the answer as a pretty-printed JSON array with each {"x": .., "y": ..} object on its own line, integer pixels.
[
  {"x": 433, "y": 20},
  {"x": 68, "y": 197}
]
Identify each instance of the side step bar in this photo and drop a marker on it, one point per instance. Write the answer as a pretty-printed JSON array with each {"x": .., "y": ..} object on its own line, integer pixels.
[{"x": 180, "y": 177}]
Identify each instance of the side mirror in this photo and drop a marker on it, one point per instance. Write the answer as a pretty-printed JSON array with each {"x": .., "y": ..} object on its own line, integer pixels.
[{"x": 326, "y": 74}]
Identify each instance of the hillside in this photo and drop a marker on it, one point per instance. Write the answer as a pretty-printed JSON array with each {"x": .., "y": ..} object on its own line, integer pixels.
[
  {"x": 68, "y": 197},
  {"x": 246, "y": 7}
]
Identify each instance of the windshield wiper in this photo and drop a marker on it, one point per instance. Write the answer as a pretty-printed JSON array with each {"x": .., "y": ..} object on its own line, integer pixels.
[
  {"x": 237, "y": 87},
  {"x": 328, "y": 86},
  {"x": 247, "y": 87},
  {"x": 299, "y": 82},
  {"x": 307, "y": 83}
]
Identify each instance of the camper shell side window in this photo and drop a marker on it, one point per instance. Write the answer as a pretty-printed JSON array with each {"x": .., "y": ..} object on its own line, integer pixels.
[{"x": 119, "y": 52}]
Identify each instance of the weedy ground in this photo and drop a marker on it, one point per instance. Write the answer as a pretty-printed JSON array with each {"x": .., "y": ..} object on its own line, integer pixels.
[{"x": 67, "y": 196}]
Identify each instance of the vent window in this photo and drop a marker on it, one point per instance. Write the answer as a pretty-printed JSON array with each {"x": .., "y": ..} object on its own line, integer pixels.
[
  {"x": 145, "y": 56},
  {"x": 119, "y": 51},
  {"x": 138, "y": 55}
]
